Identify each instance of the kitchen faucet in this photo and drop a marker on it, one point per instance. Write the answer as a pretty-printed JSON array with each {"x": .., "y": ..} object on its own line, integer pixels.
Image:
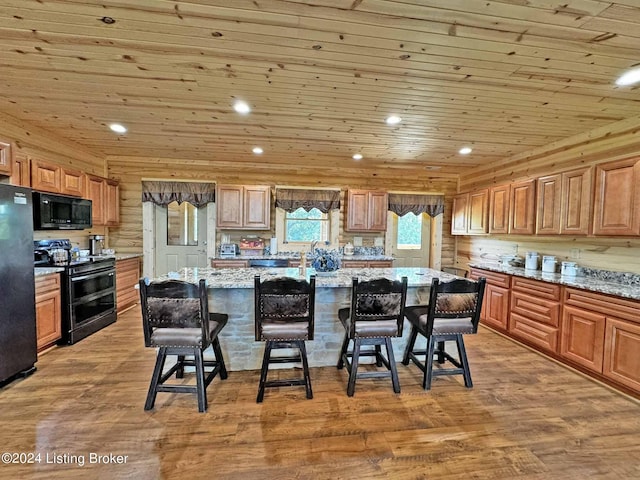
[{"x": 314, "y": 244}]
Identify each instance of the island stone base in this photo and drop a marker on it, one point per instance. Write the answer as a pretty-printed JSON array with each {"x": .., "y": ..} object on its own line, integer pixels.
[{"x": 242, "y": 352}]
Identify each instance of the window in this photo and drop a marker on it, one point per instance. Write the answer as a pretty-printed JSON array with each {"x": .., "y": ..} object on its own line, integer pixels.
[
  {"x": 303, "y": 226},
  {"x": 182, "y": 224},
  {"x": 409, "y": 231}
]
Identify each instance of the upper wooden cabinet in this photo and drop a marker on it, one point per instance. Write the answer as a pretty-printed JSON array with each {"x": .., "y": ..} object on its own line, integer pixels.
[
  {"x": 367, "y": 211},
  {"x": 246, "y": 207},
  {"x": 48, "y": 177},
  {"x": 470, "y": 213},
  {"x": 617, "y": 198},
  {"x": 522, "y": 208},
  {"x": 564, "y": 203},
  {"x": 105, "y": 200},
  {"x": 21, "y": 175},
  {"x": 499, "y": 209},
  {"x": 6, "y": 158}
]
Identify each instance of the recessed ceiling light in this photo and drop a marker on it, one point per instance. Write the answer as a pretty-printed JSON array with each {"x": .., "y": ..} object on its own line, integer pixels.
[
  {"x": 118, "y": 128},
  {"x": 257, "y": 150},
  {"x": 465, "y": 151},
  {"x": 241, "y": 107},
  {"x": 357, "y": 156},
  {"x": 393, "y": 120},
  {"x": 629, "y": 78}
]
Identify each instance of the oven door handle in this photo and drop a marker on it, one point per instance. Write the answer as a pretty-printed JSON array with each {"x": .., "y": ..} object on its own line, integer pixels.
[{"x": 84, "y": 277}]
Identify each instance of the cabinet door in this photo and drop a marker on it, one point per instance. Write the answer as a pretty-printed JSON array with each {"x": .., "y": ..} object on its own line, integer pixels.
[
  {"x": 522, "y": 208},
  {"x": 6, "y": 158},
  {"x": 459, "y": 214},
  {"x": 499, "y": 209},
  {"x": 621, "y": 359},
  {"x": 583, "y": 337},
  {"x": 257, "y": 207},
  {"x": 112, "y": 203},
  {"x": 548, "y": 205},
  {"x": 576, "y": 201},
  {"x": 378, "y": 207},
  {"x": 617, "y": 199},
  {"x": 21, "y": 175},
  {"x": 229, "y": 206},
  {"x": 357, "y": 210},
  {"x": 48, "y": 311},
  {"x": 72, "y": 182},
  {"x": 478, "y": 212},
  {"x": 96, "y": 193},
  {"x": 496, "y": 306},
  {"x": 45, "y": 177},
  {"x": 127, "y": 277}
]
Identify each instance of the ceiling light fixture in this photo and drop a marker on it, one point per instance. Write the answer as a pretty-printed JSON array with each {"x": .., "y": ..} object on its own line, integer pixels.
[
  {"x": 629, "y": 78},
  {"x": 118, "y": 128},
  {"x": 257, "y": 150},
  {"x": 357, "y": 156},
  {"x": 241, "y": 107},
  {"x": 393, "y": 120},
  {"x": 465, "y": 151},
  {"x": 432, "y": 167}
]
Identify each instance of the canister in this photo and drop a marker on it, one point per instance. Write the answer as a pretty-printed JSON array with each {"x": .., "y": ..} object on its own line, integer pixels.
[
  {"x": 568, "y": 269},
  {"x": 531, "y": 261},
  {"x": 549, "y": 264}
]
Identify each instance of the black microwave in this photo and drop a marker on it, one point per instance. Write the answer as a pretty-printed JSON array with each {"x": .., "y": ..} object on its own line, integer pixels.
[{"x": 59, "y": 212}]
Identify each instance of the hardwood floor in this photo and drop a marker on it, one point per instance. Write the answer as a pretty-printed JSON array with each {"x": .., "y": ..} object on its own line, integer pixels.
[{"x": 525, "y": 418}]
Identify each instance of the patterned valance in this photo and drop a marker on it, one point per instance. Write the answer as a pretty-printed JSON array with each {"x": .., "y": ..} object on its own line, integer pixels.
[
  {"x": 163, "y": 193},
  {"x": 291, "y": 199},
  {"x": 401, "y": 204}
]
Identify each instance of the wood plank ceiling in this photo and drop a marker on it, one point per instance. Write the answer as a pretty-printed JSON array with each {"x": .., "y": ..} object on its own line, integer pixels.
[{"x": 500, "y": 76}]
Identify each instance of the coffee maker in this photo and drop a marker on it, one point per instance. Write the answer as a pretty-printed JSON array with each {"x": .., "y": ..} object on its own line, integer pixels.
[{"x": 96, "y": 244}]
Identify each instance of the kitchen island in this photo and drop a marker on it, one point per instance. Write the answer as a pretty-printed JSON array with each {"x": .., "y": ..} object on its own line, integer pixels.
[{"x": 231, "y": 291}]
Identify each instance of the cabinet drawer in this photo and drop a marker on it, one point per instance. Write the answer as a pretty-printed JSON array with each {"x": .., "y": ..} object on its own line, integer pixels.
[
  {"x": 355, "y": 264},
  {"x": 536, "y": 309},
  {"x": 229, "y": 263},
  {"x": 493, "y": 278},
  {"x": 597, "y": 302},
  {"x": 541, "y": 335},
  {"x": 47, "y": 283},
  {"x": 546, "y": 290}
]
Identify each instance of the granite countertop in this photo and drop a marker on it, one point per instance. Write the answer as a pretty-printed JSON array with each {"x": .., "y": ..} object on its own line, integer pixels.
[
  {"x": 243, "y": 277},
  {"x": 593, "y": 283},
  {"x": 42, "y": 271},
  {"x": 296, "y": 256}
]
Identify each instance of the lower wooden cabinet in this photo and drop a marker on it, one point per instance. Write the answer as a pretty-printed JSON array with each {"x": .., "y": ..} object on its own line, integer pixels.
[
  {"x": 127, "y": 277},
  {"x": 48, "y": 310},
  {"x": 535, "y": 312},
  {"x": 367, "y": 263},
  {"x": 594, "y": 332}
]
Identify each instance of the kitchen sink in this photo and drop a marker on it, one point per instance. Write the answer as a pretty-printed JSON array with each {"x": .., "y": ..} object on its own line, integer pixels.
[{"x": 269, "y": 262}]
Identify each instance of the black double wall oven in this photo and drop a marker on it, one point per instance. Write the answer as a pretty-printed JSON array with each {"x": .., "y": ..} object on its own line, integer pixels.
[{"x": 88, "y": 289}]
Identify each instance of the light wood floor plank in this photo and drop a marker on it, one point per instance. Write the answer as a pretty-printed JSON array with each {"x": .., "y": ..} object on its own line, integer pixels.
[{"x": 526, "y": 418}]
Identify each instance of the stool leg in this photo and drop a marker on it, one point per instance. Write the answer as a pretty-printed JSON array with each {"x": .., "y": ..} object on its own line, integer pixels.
[
  {"x": 462, "y": 355},
  {"x": 155, "y": 378},
  {"x": 378, "y": 356},
  {"x": 353, "y": 374},
  {"x": 409, "y": 348},
  {"x": 428, "y": 363},
  {"x": 180, "y": 370},
  {"x": 392, "y": 365},
  {"x": 343, "y": 351},
  {"x": 305, "y": 368},
  {"x": 263, "y": 371},
  {"x": 219, "y": 358},
  {"x": 200, "y": 385},
  {"x": 441, "y": 358}
]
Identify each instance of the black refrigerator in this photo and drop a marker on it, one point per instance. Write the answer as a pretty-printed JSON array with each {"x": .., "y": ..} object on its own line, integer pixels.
[{"x": 17, "y": 288}]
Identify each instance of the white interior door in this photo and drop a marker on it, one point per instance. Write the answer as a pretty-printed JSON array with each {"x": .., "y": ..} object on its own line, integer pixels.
[
  {"x": 180, "y": 237},
  {"x": 408, "y": 239}
]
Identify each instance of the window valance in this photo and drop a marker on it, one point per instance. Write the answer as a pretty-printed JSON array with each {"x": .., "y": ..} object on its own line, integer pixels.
[
  {"x": 163, "y": 193},
  {"x": 290, "y": 199},
  {"x": 401, "y": 204}
]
